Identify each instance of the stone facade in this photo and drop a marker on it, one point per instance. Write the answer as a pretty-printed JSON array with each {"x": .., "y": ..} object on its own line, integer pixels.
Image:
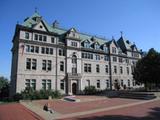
[{"x": 48, "y": 57}]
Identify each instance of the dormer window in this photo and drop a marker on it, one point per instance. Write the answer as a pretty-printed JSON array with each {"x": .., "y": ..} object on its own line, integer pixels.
[
  {"x": 86, "y": 44},
  {"x": 96, "y": 46},
  {"x": 105, "y": 49},
  {"x": 114, "y": 50}
]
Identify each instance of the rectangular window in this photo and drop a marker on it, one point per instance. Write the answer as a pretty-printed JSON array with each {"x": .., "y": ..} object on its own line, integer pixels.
[
  {"x": 106, "y": 69},
  {"x": 27, "y": 48},
  {"x": 87, "y": 67},
  {"x": 87, "y": 55},
  {"x": 34, "y": 64},
  {"x": 31, "y": 64},
  {"x": 74, "y": 44},
  {"x": 44, "y": 84},
  {"x": 61, "y": 52},
  {"x": 129, "y": 83},
  {"x": 27, "y": 84},
  {"x": 28, "y": 63},
  {"x": 127, "y": 60},
  {"x": 36, "y": 49},
  {"x": 43, "y": 50},
  {"x": 127, "y": 70},
  {"x": 106, "y": 58},
  {"x": 97, "y": 57},
  {"x": 115, "y": 69},
  {"x": 98, "y": 83},
  {"x": 32, "y": 49},
  {"x": 49, "y": 68},
  {"x": 105, "y": 49},
  {"x": 51, "y": 51},
  {"x": 44, "y": 38},
  {"x": 30, "y": 83},
  {"x": 52, "y": 39},
  {"x": 107, "y": 84},
  {"x": 44, "y": 66},
  {"x": 120, "y": 60},
  {"x": 121, "y": 70},
  {"x": 40, "y": 37},
  {"x": 62, "y": 84},
  {"x": 47, "y": 50},
  {"x": 26, "y": 35},
  {"x": 113, "y": 50},
  {"x": 49, "y": 84},
  {"x": 97, "y": 68},
  {"x": 114, "y": 59},
  {"x": 35, "y": 37},
  {"x": 33, "y": 84},
  {"x": 61, "y": 66},
  {"x": 86, "y": 44}
]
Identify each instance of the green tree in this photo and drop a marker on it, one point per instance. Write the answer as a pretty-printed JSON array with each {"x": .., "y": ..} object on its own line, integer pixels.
[
  {"x": 147, "y": 70},
  {"x": 4, "y": 87}
]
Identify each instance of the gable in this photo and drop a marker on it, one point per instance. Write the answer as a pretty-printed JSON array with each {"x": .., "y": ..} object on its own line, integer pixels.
[{"x": 40, "y": 26}]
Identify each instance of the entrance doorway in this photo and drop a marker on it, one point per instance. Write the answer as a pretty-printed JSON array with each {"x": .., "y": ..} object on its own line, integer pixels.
[{"x": 74, "y": 88}]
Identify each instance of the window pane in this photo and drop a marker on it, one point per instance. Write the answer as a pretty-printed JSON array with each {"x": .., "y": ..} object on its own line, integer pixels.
[
  {"x": 32, "y": 49},
  {"x": 27, "y": 48},
  {"x": 51, "y": 51},
  {"x": 44, "y": 38},
  {"x": 43, "y": 50},
  {"x": 35, "y": 37},
  {"x": 28, "y": 63},
  {"x": 44, "y": 65},
  {"x": 40, "y": 37},
  {"x": 49, "y": 65},
  {"x": 34, "y": 64},
  {"x": 37, "y": 49},
  {"x": 26, "y": 35}
]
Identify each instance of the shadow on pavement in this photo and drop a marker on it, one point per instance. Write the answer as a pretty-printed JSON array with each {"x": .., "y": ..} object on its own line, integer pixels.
[{"x": 154, "y": 115}]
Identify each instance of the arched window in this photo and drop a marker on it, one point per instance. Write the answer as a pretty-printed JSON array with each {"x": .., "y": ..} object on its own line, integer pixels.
[
  {"x": 74, "y": 62},
  {"x": 74, "y": 59}
]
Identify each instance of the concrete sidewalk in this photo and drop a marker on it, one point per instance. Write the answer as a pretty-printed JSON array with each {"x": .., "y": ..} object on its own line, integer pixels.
[
  {"x": 39, "y": 110},
  {"x": 48, "y": 116}
]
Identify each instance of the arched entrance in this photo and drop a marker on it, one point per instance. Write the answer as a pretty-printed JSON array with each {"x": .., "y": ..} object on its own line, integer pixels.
[{"x": 74, "y": 88}]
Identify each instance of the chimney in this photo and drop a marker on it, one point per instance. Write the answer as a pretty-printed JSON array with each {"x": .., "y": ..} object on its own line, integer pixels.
[{"x": 55, "y": 24}]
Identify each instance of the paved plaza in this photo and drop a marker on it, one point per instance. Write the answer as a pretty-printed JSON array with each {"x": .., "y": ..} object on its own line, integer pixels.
[{"x": 89, "y": 108}]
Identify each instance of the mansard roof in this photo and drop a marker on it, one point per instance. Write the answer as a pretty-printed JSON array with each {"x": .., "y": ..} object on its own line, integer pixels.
[
  {"x": 122, "y": 44},
  {"x": 126, "y": 44},
  {"x": 29, "y": 22}
]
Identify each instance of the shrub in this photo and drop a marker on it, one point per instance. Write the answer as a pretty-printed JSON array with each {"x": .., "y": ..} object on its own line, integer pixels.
[
  {"x": 17, "y": 97},
  {"x": 90, "y": 90},
  {"x": 30, "y": 94}
]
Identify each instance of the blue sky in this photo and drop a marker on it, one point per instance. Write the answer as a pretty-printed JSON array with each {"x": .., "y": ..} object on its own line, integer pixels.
[{"x": 138, "y": 19}]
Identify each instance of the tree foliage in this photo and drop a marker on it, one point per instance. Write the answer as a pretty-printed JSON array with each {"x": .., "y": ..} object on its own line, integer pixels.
[
  {"x": 4, "y": 87},
  {"x": 147, "y": 69}
]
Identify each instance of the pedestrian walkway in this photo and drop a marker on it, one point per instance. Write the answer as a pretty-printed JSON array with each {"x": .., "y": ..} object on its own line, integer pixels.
[
  {"x": 104, "y": 109},
  {"x": 16, "y": 111},
  {"x": 64, "y": 109}
]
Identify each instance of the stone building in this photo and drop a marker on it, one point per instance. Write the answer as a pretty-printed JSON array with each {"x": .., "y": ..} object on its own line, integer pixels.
[{"x": 49, "y": 57}]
